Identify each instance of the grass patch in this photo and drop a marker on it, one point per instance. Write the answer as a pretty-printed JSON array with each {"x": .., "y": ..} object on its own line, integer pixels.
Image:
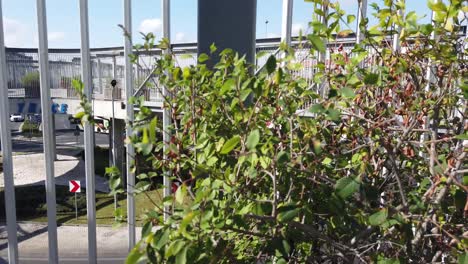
[{"x": 31, "y": 205}]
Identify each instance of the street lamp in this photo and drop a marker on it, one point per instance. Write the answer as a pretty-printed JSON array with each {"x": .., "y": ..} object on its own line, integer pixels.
[
  {"x": 266, "y": 28},
  {"x": 113, "y": 83}
]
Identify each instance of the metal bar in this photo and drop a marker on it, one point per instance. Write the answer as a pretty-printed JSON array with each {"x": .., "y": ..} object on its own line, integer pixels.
[
  {"x": 88, "y": 134},
  {"x": 396, "y": 36},
  {"x": 166, "y": 33},
  {"x": 322, "y": 55},
  {"x": 362, "y": 15},
  {"x": 143, "y": 84},
  {"x": 47, "y": 119},
  {"x": 130, "y": 115},
  {"x": 114, "y": 162},
  {"x": 429, "y": 77},
  {"x": 429, "y": 74},
  {"x": 5, "y": 137},
  {"x": 286, "y": 22}
]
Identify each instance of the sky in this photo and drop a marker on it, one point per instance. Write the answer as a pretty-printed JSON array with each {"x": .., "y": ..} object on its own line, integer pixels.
[{"x": 20, "y": 20}]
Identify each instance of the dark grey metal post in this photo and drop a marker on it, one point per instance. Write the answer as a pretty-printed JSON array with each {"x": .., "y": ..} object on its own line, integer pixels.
[{"x": 228, "y": 24}]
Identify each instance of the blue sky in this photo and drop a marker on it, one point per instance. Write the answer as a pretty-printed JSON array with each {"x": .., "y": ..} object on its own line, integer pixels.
[{"x": 104, "y": 16}]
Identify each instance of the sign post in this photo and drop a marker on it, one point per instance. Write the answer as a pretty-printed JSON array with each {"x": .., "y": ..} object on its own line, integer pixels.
[{"x": 75, "y": 187}]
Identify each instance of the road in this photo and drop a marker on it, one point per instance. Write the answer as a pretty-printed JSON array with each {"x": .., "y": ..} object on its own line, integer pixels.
[{"x": 24, "y": 144}]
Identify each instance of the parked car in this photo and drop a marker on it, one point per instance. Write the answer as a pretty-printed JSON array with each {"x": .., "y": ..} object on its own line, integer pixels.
[
  {"x": 35, "y": 118},
  {"x": 16, "y": 118}
]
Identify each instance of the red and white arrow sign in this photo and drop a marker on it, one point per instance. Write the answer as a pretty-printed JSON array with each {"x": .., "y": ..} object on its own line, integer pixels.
[{"x": 74, "y": 186}]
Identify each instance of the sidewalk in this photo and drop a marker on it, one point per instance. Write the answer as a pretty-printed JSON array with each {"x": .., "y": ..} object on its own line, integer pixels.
[
  {"x": 72, "y": 242},
  {"x": 29, "y": 169}
]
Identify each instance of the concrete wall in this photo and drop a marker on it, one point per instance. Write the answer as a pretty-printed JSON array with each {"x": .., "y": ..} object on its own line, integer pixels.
[
  {"x": 101, "y": 108},
  {"x": 24, "y": 106},
  {"x": 228, "y": 24}
]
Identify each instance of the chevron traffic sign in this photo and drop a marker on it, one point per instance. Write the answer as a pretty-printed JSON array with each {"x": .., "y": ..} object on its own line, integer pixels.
[{"x": 74, "y": 186}]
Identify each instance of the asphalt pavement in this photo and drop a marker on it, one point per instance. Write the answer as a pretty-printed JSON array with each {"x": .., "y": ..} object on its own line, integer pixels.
[{"x": 22, "y": 143}]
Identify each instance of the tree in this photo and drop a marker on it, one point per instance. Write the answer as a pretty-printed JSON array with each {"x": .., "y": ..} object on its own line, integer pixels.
[{"x": 273, "y": 170}]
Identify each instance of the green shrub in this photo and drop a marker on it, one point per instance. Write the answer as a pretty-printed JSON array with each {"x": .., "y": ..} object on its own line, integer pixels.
[
  {"x": 66, "y": 82},
  {"x": 348, "y": 170},
  {"x": 31, "y": 80},
  {"x": 29, "y": 127}
]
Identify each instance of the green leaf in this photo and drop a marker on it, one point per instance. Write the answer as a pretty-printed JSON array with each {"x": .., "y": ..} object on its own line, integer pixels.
[
  {"x": 181, "y": 257},
  {"x": 175, "y": 247},
  {"x": 213, "y": 48},
  {"x": 160, "y": 240},
  {"x": 436, "y": 6},
  {"x": 317, "y": 108},
  {"x": 350, "y": 19},
  {"x": 142, "y": 186},
  {"x": 327, "y": 161},
  {"x": 253, "y": 139},
  {"x": 463, "y": 258},
  {"x": 114, "y": 183},
  {"x": 388, "y": 261},
  {"x": 371, "y": 78},
  {"x": 462, "y": 136},
  {"x": 333, "y": 114},
  {"x": 230, "y": 145},
  {"x": 180, "y": 194},
  {"x": 203, "y": 57},
  {"x": 134, "y": 255},
  {"x": 271, "y": 64},
  {"x": 347, "y": 92},
  {"x": 288, "y": 215},
  {"x": 152, "y": 129},
  {"x": 245, "y": 93},
  {"x": 378, "y": 218},
  {"x": 347, "y": 186},
  {"x": 317, "y": 43},
  {"x": 79, "y": 115},
  {"x": 146, "y": 230},
  {"x": 229, "y": 85}
]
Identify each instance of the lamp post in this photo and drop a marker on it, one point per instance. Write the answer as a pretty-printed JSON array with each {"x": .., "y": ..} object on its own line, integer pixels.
[
  {"x": 113, "y": 84},
  {"x": 266, "y": 28}
]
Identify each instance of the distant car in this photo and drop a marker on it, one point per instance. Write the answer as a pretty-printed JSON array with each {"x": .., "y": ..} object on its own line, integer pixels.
[
  {"x": 35, "y": 118},
  {"x": 16, "y": 118}
]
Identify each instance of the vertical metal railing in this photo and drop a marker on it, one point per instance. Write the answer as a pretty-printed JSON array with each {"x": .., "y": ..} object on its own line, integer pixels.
[
  {"x": 397, "y": 29},
  {"x": 286, "y": 22},
  {"x": 167, "y": 111},
  {"x": 47, "y": 120},
  {"x": 88, "y": 134},
  {"x": 5, "y": 137},
  {"x": 130, "y": 113}
]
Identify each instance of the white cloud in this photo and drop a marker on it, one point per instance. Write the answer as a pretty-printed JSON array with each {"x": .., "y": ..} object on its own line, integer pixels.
[
  {"x": 16, "y": 33},
  {"x": 153, "y": 25},
  {"x": 56, "y": 36},
  {"x": 180, "y": 37}
]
